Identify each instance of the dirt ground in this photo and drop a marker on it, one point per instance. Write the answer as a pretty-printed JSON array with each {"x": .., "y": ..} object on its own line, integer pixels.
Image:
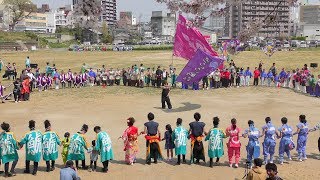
[
  {"x": 110, "y": 107},
  {"x": 68, "y": 113}
]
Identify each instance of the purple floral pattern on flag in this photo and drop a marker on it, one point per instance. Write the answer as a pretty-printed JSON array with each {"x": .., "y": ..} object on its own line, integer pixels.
[{"x": 202, "y": 64}]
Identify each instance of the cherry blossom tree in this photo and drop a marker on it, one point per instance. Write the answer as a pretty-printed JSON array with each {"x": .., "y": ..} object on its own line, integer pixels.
[
  {"x": 200, "y": 9},
  {"x": 87, "y": 13}
]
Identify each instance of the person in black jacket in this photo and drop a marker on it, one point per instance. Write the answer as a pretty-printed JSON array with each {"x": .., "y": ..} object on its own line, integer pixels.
[
  {"x": 16, "y": 90},
  {"x": 158, "y": 77},
  {"x": 165, "y": 96}
]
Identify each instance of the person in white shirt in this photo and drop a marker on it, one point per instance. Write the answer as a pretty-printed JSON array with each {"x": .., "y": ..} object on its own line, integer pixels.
[
  {"x": 216, "y": 78},
  {"x": 32, "y": 79}
]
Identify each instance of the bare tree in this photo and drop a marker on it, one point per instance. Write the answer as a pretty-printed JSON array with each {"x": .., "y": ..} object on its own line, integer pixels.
[
  {"x": 219, "y": 8},
  {"x": 18, "y": 10}
]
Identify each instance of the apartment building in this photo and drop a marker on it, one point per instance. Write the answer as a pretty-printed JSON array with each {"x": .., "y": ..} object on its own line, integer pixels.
[{"x": 240, "y": 16}]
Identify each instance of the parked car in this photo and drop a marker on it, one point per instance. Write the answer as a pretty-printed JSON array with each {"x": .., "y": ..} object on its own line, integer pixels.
[
  {"x": 313, "y": 43},
  {"x": 278, "y": 44},
  {"x": 254, "y": 44},
  {"x": 286, "y": 44},
  {"x": 303, "y": 44},
  {"x": 262, "y": 44},
  {"x": 294, "y": 43},
  {"x": 270, "y": 43}
]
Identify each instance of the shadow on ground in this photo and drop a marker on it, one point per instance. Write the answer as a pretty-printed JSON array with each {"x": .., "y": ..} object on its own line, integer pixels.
[{"x": 187, "y": 106}]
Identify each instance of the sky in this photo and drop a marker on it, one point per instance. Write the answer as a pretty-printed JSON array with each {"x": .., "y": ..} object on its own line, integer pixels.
[{"x": 138, "y": 7}]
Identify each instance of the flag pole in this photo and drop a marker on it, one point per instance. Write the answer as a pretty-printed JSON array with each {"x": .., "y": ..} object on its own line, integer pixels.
[{"x": 175, "y": 22}]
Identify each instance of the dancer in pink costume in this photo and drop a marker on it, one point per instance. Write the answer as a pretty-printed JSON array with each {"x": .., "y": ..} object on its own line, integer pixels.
[{"x": 234, "y": 143}]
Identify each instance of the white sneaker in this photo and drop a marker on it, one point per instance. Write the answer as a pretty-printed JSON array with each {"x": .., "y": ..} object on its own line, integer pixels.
[
  {"x": 290, "y": 159},
  {"x": 281, "y": 162},
  {"x": 230, "y": 165},
  {"x": 236, "y": 165},
  {"x": 300, "y": 160},
  {"x": 305, "y": 158},
  {"x": 271, "y": 161}
]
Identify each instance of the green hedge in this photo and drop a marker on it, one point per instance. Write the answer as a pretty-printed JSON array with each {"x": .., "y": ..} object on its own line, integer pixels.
[{"x": 152, "y": 48}]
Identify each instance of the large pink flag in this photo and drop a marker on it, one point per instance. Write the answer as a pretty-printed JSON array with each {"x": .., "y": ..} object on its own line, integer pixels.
[{"x": 188, "y": 40}]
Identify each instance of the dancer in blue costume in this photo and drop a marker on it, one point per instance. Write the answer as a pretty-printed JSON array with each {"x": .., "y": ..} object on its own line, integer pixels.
[
  {"x": 302, "y": 131},
  {"x": 286, "y": 143},
  {"x": 253, "y": 147},
  {"x": 269, "y": 143}
]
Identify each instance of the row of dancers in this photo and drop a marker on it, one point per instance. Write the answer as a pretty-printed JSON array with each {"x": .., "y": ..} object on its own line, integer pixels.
[{"x": 46, "y": 144}]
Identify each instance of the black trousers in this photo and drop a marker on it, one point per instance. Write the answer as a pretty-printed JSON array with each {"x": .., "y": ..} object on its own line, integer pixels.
[
  {"x": 35, "y": 167},
  {"x": 165, "y": 100},
  {"x": 117, "y": 82},
  {"x": 231, "y": 81},
  {"x": 294, "y": 84},
  {"x": 16, "y": 95},
  {"x": 93, "y": 165},
  {"x": 124, "y": 80},
  {"x": 205, "y": 83},
  {"x": 111, "y": 82},
  {"x": 26, "y": 96},
  {"x": 255, "y": 81},
  {"x": 198, "y": 151},
  {"x": 31, "y": 86},
  {"x": 63, "y": 85},
  {"x": 69, "y": 84},
  {"x": 238, "y": 81},
  {"x": 14, "y": 77},
  {"x": 13, "y": 166},
  {"x": 83, "y": 162},
  {"x": 211, "y": 160},
  {"x": 225, "y": 82},
  {"x": 105, "y": 166},
  {"x": 153, "y": 82},
  {"x": 158, "y": 81},
  {"x": 153, "y": 152},
  {"x": 183, "y": 158},
  {"x": 48, "y": 165}
]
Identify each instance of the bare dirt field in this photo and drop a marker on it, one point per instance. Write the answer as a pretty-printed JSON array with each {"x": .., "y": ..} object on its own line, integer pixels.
[{"x": 110, "y": 107}]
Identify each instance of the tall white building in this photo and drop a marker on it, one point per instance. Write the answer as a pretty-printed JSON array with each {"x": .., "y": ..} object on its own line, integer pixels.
[
  {"x": 163, "y": 25},
  {"x": 59, "y": 18},
  {"x": 310, "y": 22}
]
